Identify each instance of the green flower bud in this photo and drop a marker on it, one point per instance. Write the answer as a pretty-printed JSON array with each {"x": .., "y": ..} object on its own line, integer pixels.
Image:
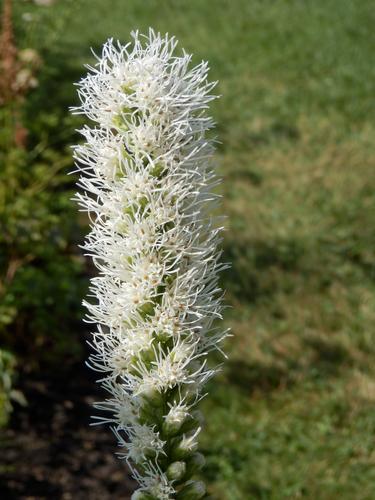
[
  {"x": 157, "y": 170},
  {"x": 118, "y": 120},
  {"x": 195, "y": 463},
  {"x": 152, "y": 396},
  {"x": 150, "y": 415},
  {"x": 192, "y": 422},
  {"x": 129, "y": 211},
  {"x": 189, "y": 392},
  {"x": 142, "y": 495},
  {"x": 193, "y": 490},
  {"x": 127, "y": 89},
  {"x": 185, "y": 447},
  {"x": 147, "y": 309},
  {"x": 199, "y": 417},
  {"x": 174, "y": 421},
  {"x": 176, "y": 471},
  {"x": 162, "y": 337}
]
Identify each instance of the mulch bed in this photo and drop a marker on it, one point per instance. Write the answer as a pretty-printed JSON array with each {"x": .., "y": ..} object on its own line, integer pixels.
[{"x": 51, "y": 452}]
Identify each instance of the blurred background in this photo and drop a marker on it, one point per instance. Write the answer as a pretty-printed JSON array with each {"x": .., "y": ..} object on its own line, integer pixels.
[{"x": 292, "y": 413}]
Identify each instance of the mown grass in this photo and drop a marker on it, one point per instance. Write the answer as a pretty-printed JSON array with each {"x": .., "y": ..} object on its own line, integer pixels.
[{"x": 292, "y": 413}]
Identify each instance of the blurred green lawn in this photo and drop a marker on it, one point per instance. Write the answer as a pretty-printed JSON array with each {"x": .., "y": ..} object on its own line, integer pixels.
[{"x": 292, "y": 414}]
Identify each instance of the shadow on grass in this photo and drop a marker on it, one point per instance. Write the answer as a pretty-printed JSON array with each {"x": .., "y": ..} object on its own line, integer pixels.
[
  {"x": 256, "y": 376},
  {"x": 249, "y": 257},
  {"x": 240, "y": 139},
  {"x": 328, "y": 357},
  {"x": 320, "y": 358}
]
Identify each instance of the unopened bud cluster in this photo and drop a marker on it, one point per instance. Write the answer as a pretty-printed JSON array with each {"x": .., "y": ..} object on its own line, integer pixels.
[{"x": 146, "y": 181}]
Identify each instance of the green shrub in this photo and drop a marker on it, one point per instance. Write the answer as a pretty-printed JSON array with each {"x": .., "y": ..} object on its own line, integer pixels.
[{"x": 40, "y": 266}]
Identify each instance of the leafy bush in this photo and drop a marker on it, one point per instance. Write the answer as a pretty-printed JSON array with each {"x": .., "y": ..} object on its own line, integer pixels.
[{"x": 40, "y": 268}]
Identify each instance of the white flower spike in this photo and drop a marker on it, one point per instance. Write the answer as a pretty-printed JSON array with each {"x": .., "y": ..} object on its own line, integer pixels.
[{"x": 147, "y": 183}]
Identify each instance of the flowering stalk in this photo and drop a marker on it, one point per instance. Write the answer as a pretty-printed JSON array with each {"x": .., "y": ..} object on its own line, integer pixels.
[{"x": 147, "y": 182}]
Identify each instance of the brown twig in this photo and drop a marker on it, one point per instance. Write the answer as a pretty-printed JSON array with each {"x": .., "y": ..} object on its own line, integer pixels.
[{"x": 8, "y": 56}]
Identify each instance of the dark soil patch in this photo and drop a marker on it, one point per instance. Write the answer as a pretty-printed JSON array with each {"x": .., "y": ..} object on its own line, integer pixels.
[{"x": 51, "y": 452}]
